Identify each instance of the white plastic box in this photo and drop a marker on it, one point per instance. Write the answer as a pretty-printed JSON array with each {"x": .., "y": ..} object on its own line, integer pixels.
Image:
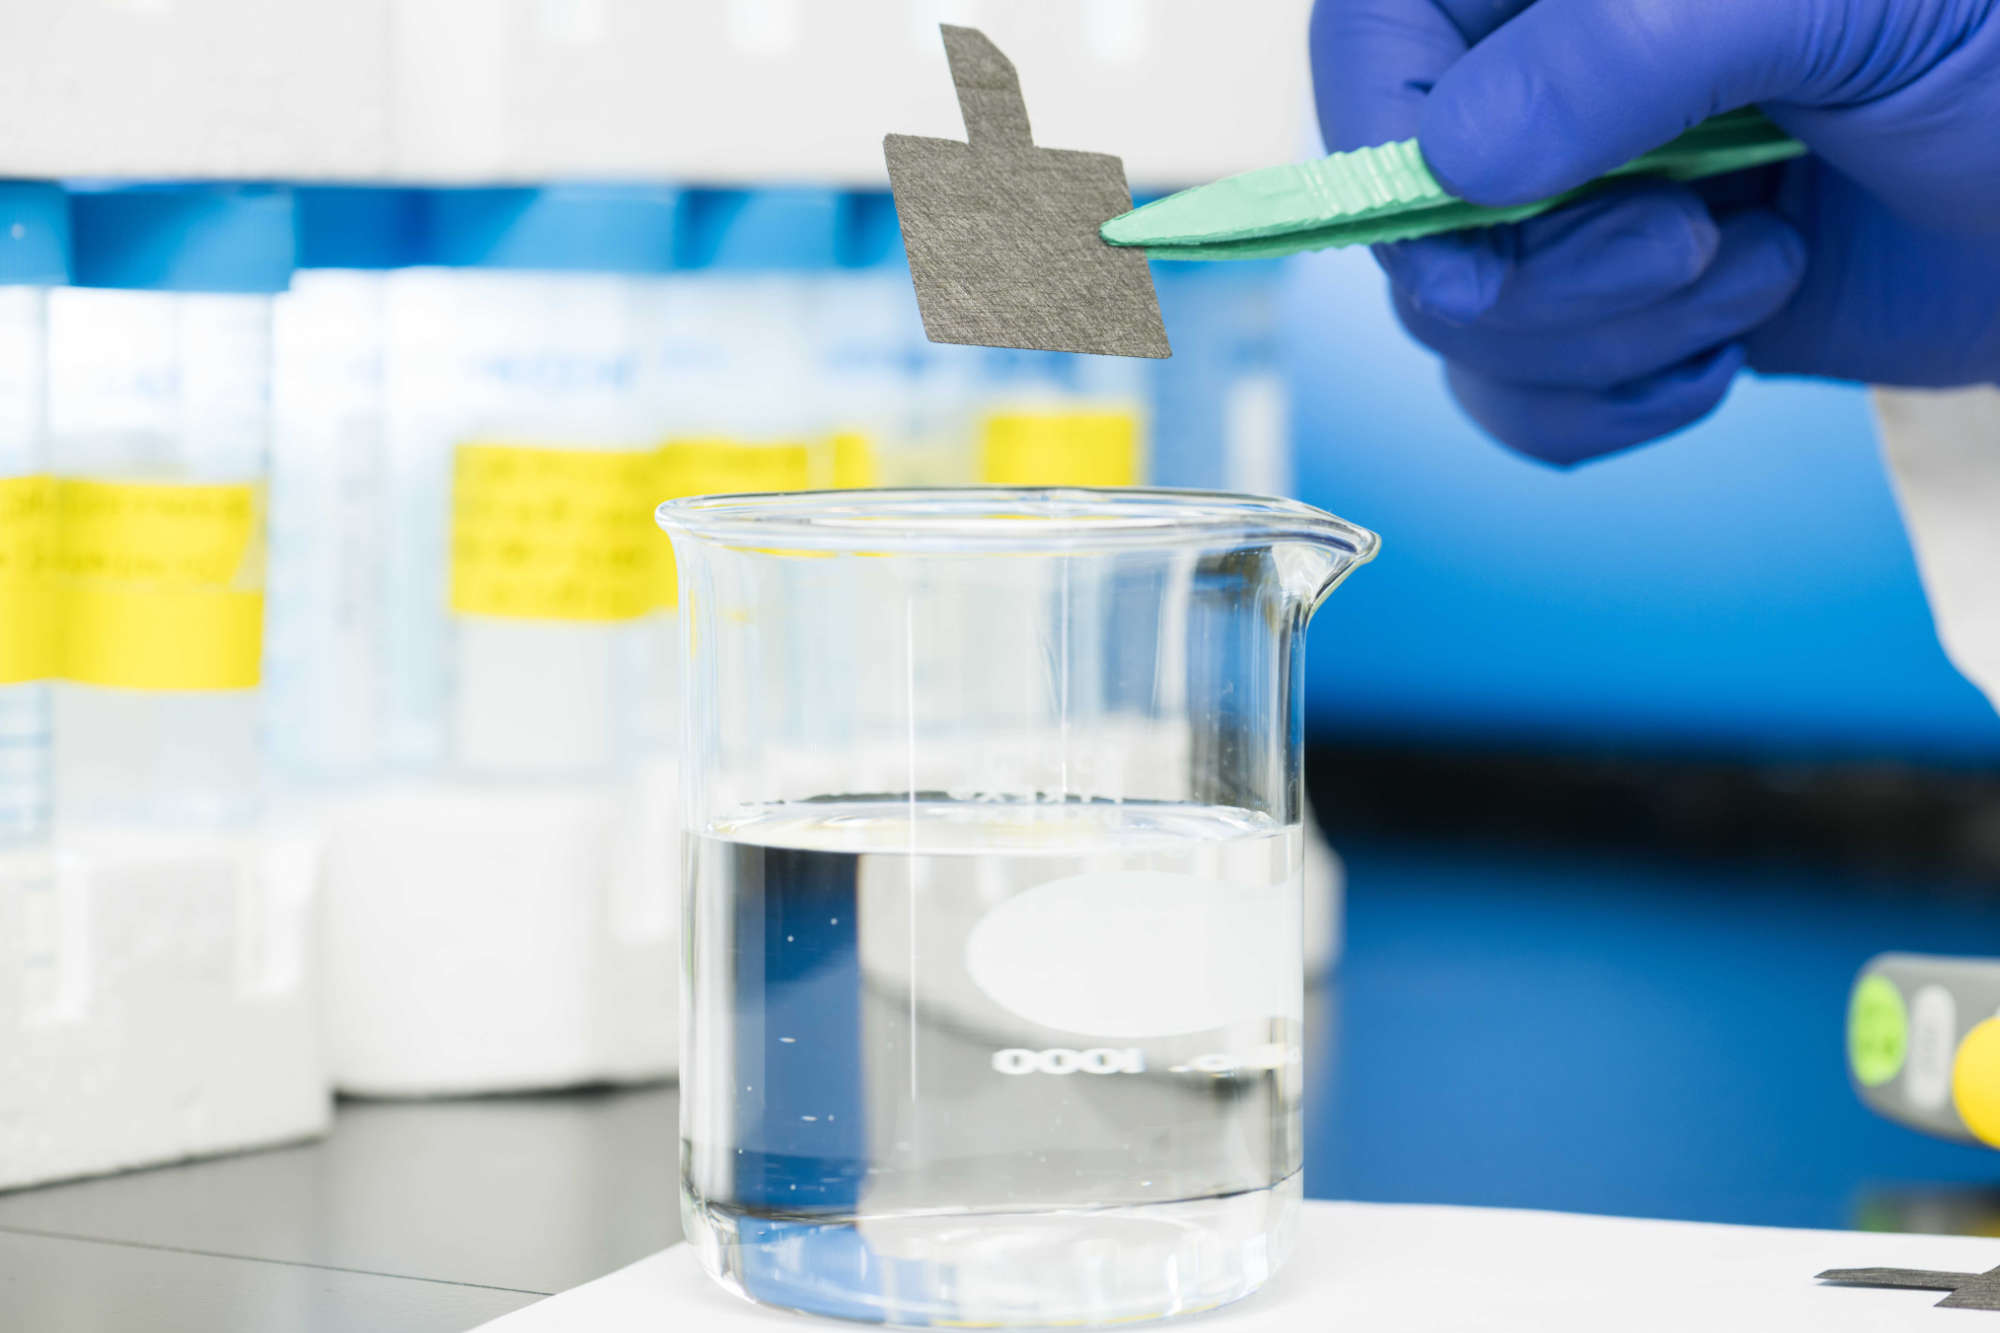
[
  {"x": 755, "y": 91},
  {"x": 522, "y": 91},
  {"x": 197, "y": 89}
]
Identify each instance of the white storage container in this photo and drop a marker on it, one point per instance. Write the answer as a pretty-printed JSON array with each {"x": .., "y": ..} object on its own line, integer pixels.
[
  {"x": 902, "y": 406},
  {"x": 330, "y": 572},
  {"x": 175, "y": 1009},
  {"x": 34, "y": 255},
  {"x": 502, "y": 895},
  {"x": 736, "y": 367}
]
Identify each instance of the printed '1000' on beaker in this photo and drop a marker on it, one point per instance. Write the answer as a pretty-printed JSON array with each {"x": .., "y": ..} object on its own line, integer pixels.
[{"x": 992, "y": 988}]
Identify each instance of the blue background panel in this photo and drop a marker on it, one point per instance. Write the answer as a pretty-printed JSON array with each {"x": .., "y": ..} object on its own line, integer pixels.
[
  {"x": 1745, "y": 587},
  {"x": 1620, "y": 1034}
]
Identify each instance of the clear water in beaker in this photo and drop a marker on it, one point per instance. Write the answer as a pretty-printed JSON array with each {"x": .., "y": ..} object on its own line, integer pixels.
[
  {"x": 993, "y": 984},
  {"x": 955, "y": 1057}
]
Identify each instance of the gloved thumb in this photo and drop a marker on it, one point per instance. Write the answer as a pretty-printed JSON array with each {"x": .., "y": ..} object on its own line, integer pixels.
[{"x": 1566, "y": 90}]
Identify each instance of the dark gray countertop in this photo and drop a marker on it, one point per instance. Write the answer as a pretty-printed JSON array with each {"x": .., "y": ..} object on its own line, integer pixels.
[{"x": 409, "y": 1218}]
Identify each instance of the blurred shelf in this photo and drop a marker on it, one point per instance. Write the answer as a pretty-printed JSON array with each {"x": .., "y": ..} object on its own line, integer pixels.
[{"x": 524, "y": 90}]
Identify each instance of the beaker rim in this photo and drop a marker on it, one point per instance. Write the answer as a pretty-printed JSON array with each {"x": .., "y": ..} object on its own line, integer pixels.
[{"x": 975, "y": 519}]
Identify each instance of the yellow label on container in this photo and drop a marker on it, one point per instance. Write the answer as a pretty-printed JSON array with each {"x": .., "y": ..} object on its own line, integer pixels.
[
  {"x": 27, "y": 595},
  {"x": 1055, "y": 448},
  {"x": 555, "y": 534},
  {"x": 715, "y": 466},
  {"x": 730, "y": 467},
  {"x": 854, "y": 462},
  {"x": 540, "y": 533},
  {"x": 159, "y": 585}
]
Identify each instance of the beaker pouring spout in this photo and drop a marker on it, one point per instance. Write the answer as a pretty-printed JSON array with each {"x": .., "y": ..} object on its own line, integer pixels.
[{"x": 1314, "y": 559}]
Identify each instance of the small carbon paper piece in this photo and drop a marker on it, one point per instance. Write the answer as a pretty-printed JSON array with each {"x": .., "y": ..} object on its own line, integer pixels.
[
  {"x": 1003, "y": 236},
  {"x": 1969, "y": 1291}
]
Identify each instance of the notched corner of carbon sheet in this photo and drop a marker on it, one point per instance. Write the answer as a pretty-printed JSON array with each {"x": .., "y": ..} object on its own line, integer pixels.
[
  {"x": 1002, "y": 236},
  {"x": 1964, "y": 1291}
]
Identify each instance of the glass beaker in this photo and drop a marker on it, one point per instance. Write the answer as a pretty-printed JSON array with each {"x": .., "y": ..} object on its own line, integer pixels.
[{"x": 991, "y": 990}]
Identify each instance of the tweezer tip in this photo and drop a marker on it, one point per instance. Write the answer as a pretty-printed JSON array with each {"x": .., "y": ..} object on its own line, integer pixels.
[{"x": 1125, "y": 229}]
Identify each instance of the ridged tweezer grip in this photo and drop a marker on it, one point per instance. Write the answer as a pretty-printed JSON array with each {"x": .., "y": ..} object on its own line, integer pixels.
[{"x": 1387, "y": 193}]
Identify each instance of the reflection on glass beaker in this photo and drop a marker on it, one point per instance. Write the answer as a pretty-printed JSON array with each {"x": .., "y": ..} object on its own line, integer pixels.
[{"x": 994, "y": 988}]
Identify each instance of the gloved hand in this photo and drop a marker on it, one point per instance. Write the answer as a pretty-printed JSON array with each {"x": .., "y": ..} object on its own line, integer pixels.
[{"x": 1626, "y": 316}]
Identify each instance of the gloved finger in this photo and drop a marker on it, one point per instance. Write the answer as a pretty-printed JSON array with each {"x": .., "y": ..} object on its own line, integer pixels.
[
  {"x": 1568, "y": 89},
  {"x": 1758, "y": 265},
  {"x": 1570, "y": 426},
  {"x": 1374, "y": 60},
  {"x": 1373, "y": 63},
  {"x": 1625, "y": 249},
  {"x": 1455, "y": 277},
  {"x": 1630, "y": 246}
]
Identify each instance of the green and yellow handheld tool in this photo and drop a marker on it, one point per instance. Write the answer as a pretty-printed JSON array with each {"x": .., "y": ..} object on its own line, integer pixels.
[
  {"x": 1923, "y": 1043},
  {"x": 1387, "y": 193}
]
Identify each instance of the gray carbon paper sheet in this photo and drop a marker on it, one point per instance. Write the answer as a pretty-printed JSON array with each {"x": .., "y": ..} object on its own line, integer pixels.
[{"x": 1002, "y": 235}]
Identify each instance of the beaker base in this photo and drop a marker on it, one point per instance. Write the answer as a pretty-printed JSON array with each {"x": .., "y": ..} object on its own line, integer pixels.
[{"x": 1074, "y": 1266}]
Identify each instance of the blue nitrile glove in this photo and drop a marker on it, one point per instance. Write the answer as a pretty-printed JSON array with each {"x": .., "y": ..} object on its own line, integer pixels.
[{"x": 1625, "y": 317}]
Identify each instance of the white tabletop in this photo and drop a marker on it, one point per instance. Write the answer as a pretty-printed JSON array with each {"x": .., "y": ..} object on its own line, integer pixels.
[{"x": 1389, "y": 1268}]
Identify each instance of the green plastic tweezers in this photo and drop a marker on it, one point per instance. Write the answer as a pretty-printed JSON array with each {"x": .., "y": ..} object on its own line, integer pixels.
[{"x": 1387, "y": 193}]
